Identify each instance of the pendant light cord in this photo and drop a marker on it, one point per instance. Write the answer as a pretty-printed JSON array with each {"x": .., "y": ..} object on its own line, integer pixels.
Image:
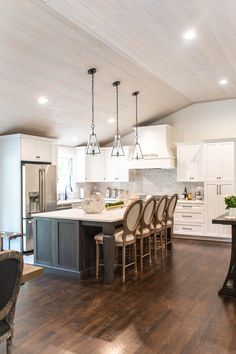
[
  {"x": 136, "y": 99},
  {"x": 92, "y": 125},
  {"x": 117, "y": 111}
]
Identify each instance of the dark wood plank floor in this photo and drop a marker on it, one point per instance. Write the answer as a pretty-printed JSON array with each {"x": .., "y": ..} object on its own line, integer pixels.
[{"x": 174, "y": 308}]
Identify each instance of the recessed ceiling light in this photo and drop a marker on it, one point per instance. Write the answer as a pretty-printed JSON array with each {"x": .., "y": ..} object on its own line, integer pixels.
[
  {"x": 42, "y": 100},
  {"x": 111, "y": 120},
  {"x": 74, "y": 139},
  {"x": 190, "y": 34},
  {"x": 223, "y": 82}
]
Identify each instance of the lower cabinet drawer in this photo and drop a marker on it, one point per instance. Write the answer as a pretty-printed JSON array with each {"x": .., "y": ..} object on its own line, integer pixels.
[
  {"x": 183, "y": 229},
  {"x": 185, "y": 217}
]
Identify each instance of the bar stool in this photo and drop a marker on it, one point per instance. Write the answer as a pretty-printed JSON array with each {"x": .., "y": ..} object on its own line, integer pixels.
[
  {"x": 11, "y": 236},
  {"x": 144, "y": 231},
  {"x": 157, "y": 224},
  {"x": 124, "y": 237},
  {"x": 168, "y": 223}
]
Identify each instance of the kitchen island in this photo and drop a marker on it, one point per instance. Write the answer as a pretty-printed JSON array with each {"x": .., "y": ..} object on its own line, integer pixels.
[{"x": 64, "y": 241}]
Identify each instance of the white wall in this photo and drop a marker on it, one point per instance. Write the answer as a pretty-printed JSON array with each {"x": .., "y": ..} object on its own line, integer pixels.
[{"x": 209, "y": 120}]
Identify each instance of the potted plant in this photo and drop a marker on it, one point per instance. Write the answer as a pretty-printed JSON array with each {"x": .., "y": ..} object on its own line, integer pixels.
[{"x": 230, "y": 202}]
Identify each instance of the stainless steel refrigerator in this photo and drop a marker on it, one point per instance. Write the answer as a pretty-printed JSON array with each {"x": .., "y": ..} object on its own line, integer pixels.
[{"x": 39, "y": 194}]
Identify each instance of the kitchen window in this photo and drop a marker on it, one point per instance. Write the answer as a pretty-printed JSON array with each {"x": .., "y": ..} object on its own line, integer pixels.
[{"x": 64, "y": 173}]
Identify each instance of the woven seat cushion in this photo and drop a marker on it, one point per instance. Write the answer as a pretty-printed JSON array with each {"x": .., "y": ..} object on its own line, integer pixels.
[
  {"x": 118, "y": 236},
  {"x": 157, "y": 227},
  {"x": 169, "y": 223},
  {"x": 4, "y": 327},
  {"x": 145, "y": 231}
]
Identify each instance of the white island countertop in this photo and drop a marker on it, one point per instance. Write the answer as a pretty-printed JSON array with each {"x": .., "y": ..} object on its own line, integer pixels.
[{"x": 78, "y": 214}]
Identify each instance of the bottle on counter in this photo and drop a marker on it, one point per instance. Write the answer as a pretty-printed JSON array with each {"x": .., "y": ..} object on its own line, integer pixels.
[{"x": 184, "y": 195}]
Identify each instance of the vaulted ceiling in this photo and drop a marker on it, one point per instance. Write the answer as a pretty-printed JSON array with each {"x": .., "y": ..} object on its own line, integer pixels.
[{"x": 46, "y": 48}]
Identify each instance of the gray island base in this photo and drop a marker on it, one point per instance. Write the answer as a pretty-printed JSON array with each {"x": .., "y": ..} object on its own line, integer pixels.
[{"x": 64, "y": 241}]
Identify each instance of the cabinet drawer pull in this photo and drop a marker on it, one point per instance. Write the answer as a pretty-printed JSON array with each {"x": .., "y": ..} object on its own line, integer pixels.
[
  {"x": 37, "y": 157},
  {"x": 187, "y": 216},
  {"x": 187, "y": 206},
  {"x": 186, "y": 228}
]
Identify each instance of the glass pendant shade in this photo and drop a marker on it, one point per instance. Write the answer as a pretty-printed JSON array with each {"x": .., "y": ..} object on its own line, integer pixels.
[
  {"x": 117, "y": 149},
  {"x": 137, "y": 151},
  {"x": 93, "y": 147}
]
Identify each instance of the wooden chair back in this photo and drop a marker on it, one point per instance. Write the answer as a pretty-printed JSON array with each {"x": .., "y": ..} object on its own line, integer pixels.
[
  {"x": 160, "y": 210},
  {"x": 132, "y": 218},
  {"x": 171, "y": 204},
  {"x": 148, "y": 212},
  {"x": 11, "y": 268}
]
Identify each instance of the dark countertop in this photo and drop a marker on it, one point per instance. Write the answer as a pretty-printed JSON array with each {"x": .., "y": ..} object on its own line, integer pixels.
[{"x": 222, "y": 220}]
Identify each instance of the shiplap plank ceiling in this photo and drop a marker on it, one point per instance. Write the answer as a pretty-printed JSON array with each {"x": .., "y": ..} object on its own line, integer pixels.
[{"x": 46, "y": 48}]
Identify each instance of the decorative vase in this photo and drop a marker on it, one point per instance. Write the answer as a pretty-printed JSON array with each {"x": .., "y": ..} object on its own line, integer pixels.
[
  {"x": 94, "y": 204},
  {"x": 232, "y": 212}
]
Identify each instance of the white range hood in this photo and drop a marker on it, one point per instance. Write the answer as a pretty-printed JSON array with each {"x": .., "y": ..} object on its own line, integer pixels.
[{"x": 157, "y": 148}]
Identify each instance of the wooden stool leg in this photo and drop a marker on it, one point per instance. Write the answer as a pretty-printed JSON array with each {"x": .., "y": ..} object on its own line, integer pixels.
[
  {"x": 155, "y": 247},
  {"x": 135, "y": 260},
  {"x": 150, "y": 250},
  {"x": 166, "y": 230},
  {"x": 161, "y": 241},
  {"x": 123, "y": 264},
  {"x": 97, "y": 259},
  {"x": 141, "y": 253}
]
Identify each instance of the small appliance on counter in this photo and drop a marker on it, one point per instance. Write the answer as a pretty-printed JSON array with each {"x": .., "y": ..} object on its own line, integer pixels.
[{"x": 199, "y": 193}]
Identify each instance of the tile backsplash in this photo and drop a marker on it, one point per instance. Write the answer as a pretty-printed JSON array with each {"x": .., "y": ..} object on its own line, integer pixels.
[{"x": 148, "y": 181}]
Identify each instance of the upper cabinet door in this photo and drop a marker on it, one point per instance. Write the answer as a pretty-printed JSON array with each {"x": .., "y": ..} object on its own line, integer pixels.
[
  {"x": 189, "y": 163},
  {"x": 82, "y": 165},
  {"x": 184, "y": 154},
  {"x": 111, "y": 166},
  {"x": 219, "y": 161},
  {"x": 211, "y": 162},
  {"x": 35, "y": 150},
  {"x": 97, "y": 167},
  {"x": 226, "y": 161},
  {"x": 197, "y": 163}
]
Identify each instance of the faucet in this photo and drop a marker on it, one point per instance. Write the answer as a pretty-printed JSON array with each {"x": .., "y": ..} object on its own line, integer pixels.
[{"x": 66, "y": 194}]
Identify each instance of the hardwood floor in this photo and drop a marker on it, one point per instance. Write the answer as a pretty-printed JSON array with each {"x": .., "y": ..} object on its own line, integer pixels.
[{"x": 174, "y": 308}]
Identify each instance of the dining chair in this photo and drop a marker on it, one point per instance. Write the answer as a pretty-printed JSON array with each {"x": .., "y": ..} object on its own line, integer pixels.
[
  {"x": 157, "y": 224},
  {"x": 11, "y": 267},
  {"x": 144, "y": 230},
  {"x": 124, "y": 237},
  {"x": 168, "y": 222}
]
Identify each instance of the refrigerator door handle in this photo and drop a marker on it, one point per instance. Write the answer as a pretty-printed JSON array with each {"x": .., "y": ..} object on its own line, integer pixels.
[
  {"x": 41, "y": 190},
  {"x": 44, "y": 190}
]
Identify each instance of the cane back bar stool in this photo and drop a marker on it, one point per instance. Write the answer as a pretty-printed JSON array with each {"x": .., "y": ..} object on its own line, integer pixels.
[
  {"x": 144, "y": 231},
  {"x": 168, "y": 223},
  {"x": 157, "y": 224},
  {"x": 11, "y": 267},
  {"x": 124, "y": 236}
]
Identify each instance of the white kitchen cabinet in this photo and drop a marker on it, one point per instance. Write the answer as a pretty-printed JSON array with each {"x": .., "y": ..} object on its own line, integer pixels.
[
  {"x": 189, "y": 218},
  {"x": 190, "y": 163},
  {"x": 116, "y": 168},
  {"x": 97, "y": 167},
  {"x": 219, "y": 161},
  {"x": 82, "y": 165},
  {"x": 215, "y": 205},
  {"x": 35, "y": 149}
]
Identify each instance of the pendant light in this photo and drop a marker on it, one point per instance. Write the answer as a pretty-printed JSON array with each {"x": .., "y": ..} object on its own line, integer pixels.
[
  {"x": 93, "y": 147},
  {"x": 137, "y": 151},
  {"x": 117, "y": 149}
]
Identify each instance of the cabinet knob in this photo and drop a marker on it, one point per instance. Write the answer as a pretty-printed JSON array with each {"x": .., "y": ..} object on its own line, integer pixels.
[{"x": 37, "y": 157}]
